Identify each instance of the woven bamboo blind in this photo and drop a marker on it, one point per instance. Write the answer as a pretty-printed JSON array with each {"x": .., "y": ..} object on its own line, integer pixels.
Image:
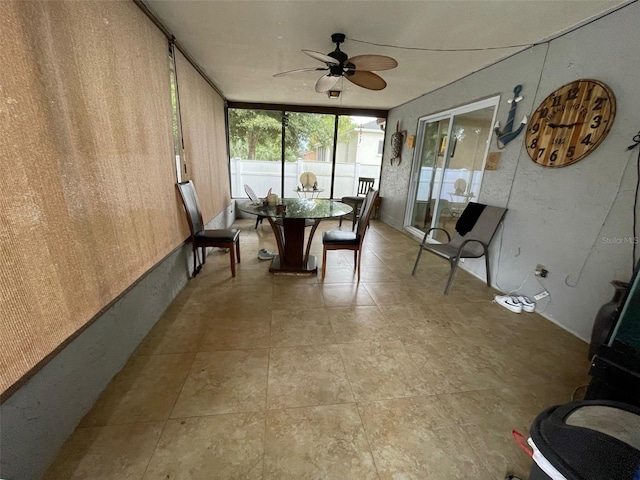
[
  {"x": 88, "y": 178},
  {"x": 204, "y": 134}
]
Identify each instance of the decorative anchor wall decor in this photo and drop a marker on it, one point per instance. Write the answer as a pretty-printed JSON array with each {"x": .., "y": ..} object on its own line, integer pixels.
[{"x": 505, "y": 136}]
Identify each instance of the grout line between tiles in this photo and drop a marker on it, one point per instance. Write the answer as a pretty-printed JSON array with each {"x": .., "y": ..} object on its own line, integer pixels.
[{"x": 153, "y": 452}]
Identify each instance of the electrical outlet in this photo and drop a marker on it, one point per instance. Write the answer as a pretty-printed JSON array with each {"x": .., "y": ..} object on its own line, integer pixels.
[
  {"x": 541, "y": 271},
  {"x": 541, "y": 295}
]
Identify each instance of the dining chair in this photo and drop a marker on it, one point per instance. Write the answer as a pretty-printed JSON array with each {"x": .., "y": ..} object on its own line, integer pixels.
[
  {"x": 473, "y": 233},
  {"x": 364, "y": 185},
  {"x": 343, "y": 240},
  {"x": 201, "y": 238},
  {"x": 254, "y": 199}
]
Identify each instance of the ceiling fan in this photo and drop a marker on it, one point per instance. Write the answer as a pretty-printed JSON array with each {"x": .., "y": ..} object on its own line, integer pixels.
[{"x": 358, "y": 69}]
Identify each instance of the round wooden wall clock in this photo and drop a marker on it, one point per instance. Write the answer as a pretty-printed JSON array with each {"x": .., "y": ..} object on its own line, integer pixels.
[{"x": 570, "y": 123}]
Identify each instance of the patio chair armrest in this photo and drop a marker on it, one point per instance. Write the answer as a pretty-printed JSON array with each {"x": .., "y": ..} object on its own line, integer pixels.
[
  {"x": 464, "y": 244},
  {"x": 424, "y": 239}
]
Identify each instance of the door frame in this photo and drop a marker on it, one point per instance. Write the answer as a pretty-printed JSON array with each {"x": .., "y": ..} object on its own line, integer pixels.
[{"x": 417, "y": 153}]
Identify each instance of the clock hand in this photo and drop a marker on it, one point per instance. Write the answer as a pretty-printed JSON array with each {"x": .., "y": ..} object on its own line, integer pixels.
[{"x": 562, "y": 125}]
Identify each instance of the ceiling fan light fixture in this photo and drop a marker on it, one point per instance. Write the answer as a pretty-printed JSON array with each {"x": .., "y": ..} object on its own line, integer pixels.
[{"x": 358, "y": 70}]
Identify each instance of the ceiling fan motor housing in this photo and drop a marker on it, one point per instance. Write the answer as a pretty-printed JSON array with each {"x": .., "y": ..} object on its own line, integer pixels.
[
  {"x": 339, "y": 55},
  {"x": 338, "y": 38}
]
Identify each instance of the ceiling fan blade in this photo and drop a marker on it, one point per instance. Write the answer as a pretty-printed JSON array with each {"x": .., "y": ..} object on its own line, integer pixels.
[
  {"x": 367, "y": 80},
  {"x": 299, "y": 70},
  {"x": 326, "y": 82},
  {"x": 322, "y": 57},
  {"x": 373, "y": 62}
]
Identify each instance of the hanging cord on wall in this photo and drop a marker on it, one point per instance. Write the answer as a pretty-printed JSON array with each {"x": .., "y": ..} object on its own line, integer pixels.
[
  {"x": 501, "y": 225},
  {"x": 480, "y": 49},
  {"x": 424, "y": 49},
  {"x": 544, "y": 61},
  {"x": 636, "y": 139},
  {"x": 521, "y": 285}
]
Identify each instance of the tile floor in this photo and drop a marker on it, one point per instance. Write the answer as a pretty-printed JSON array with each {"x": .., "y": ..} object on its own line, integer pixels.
[{"x": 288, "y": 377}]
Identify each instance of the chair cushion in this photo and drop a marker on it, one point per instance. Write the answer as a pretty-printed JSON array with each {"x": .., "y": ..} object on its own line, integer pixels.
[
  {"x": 340, "y": 237},
  {"x": 221, "y": 235},
  {"x": 355, "y": 200}
]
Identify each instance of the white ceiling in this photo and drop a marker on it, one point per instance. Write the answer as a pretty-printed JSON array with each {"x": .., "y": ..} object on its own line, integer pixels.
[{"x": 241, "y": 44}]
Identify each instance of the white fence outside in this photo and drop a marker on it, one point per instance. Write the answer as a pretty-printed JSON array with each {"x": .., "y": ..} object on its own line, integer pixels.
[
  {"x": 263, "y": 175},
  {"x": 448, "y": 192}
]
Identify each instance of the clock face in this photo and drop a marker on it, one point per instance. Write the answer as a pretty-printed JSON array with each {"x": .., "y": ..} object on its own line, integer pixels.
[{"x": 570, "y": 123}]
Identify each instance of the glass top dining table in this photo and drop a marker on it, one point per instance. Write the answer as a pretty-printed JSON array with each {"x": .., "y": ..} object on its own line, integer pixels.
[{"x": 288, "y": 220}]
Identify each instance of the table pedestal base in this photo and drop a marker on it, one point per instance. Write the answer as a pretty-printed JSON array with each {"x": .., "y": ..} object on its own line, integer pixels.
[{"x": 311, "y": 268}]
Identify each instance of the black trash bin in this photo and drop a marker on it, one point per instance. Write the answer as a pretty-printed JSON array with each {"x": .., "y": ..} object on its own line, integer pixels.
[{"x": 587, "y": 440}]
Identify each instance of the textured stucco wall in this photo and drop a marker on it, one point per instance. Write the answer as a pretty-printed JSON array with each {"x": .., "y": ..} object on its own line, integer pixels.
[{"x": 560, "y": 218}]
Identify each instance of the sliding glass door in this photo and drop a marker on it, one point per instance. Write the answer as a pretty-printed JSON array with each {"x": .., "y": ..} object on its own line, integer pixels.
[{"x": 448, "y": 166}]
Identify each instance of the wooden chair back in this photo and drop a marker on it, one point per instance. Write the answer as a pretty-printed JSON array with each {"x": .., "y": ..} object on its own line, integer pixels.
[
  {"x": 365, "y": 184},
  {"x": 191, "y": 206},
  {"x": 365, "y": 213}
]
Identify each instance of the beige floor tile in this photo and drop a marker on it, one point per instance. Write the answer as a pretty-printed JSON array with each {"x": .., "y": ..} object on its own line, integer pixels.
[
  {"x": 345, "y": 295},
  {"x": 382, "y": 370},
  {"x": 174, "y": 334},
  {"x": 392, "y": 293},
  {"x": 478, "y": 319},
  {"x": 413, "y": 438},
  {"x": 296, "y": 280},
  {"x": 242, "y": 329},
  {"x": 516, "y": 366},
  {"x": 113, "y": 452},
  {"x": 412, "y": 321},
  {"x": 526, "y": 402},
  {"x": 301, "y": 327},
  {"x": 224, "y": 382},
  {"x": 548, "y": 394},
  {"x": 339, "y": 274},
  {"x": 497, "y": 450},
  {"x": 360, "y": 324},
  {"x": 244, "y": 276},
  {"x": 370, "y": 260},
  {"x": 425, "y": 411},
  {"x": 307, "y": 376},
  {"x": 145, "y": 390},
  {"x": 336, "y": 258},
  {"x": 378, "y": 274},
  {"x": 296, "y": 296},
  {"x": 326, "y": 442},
  {"x": 493, "y": 407},
  {"x": 219, "y": 446},
  {"x": 440, "y": 380},
  {"x": 221, "y": 301}
]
